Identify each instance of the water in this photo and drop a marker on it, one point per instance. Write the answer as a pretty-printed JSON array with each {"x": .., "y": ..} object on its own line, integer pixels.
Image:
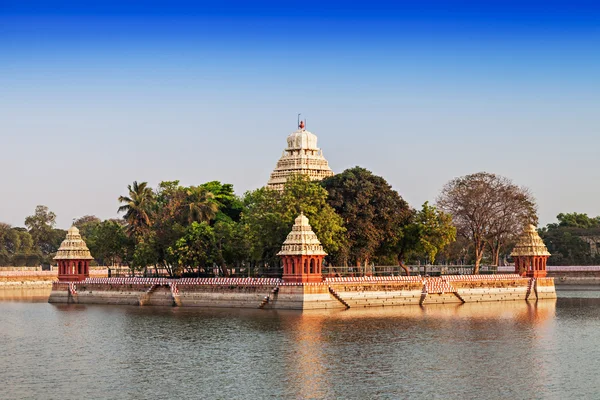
[{"x": 547, "y": 350}]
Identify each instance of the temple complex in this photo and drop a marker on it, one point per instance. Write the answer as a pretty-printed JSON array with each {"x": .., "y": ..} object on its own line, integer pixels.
[
  {"x": 73, "y": 258},
  {"x": 302, "y": 254},
  {"x": 530, "y": 254},
  {"x": 302, "y": 156}
]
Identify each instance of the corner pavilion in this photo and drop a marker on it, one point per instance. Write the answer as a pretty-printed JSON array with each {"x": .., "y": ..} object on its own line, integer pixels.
[
  {"x": 73, "y": 258},
  {"x": 530, "y": 254},
  {"x": 302, "y": 254}
]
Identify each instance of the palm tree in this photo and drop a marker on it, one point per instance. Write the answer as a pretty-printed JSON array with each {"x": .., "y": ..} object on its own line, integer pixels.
[
  {"x": 200, "y": 205},
  {"x": 136, "y": 207}
]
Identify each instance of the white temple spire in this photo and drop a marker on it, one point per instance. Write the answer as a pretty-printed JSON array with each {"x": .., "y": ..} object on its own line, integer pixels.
[{"x": 303, "y": 157}]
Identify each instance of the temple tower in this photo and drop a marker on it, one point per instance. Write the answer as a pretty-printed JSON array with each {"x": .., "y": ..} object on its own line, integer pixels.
[
  {"x": 302, "y": 254},
  {"x": 530, "y": 254},
  {"x": 302, "y": 156},
  {"x": 73, "y": 258}
]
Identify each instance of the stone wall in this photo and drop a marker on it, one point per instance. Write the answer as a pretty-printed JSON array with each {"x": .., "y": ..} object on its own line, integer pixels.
[
  {"x": 338, "y": 295},
  {"x": 12, "y": 268},
  {"x": 229, "y": 296},
  {"x": 28, "y": 276},
  {"x": 379, "y": 294}
]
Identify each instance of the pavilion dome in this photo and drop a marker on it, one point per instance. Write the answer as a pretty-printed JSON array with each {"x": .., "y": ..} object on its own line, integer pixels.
[
  {"x": 302, "y": 240},
  {"x": 530, "y": 244},
  {"x": 73, "y": 247}
]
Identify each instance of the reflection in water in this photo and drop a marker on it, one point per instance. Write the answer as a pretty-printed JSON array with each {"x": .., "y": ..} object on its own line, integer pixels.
[
  {"x": 487, "y": 350},
  {"x": 305, "y": 365},
  {"x": 316, "y": 337}
]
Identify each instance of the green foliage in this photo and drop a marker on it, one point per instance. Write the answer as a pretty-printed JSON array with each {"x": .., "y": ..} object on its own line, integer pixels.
[
  {"x": 24, "y": 243},
  {"x": 229, "y": 205},
  {"x": 109, "y": 244},
  {"x": 199, "y": 205},
  {"x": 9, "y": 239},
  {"x": 269, "y": 216},
  {"x": 577, "y": 220},
  {"x": 159, "y": 221},
  {"x": 86, "y": 225},
  {"x": 232, "y": 241},
  {"x": 144, "y": 254},
  {"x": 372, "y": 212},
  {"x": 568, "y": 240},
  {"x": 566, "y": 248},
  {"x": 17, "y": 248},
  {"x": 137, "y": 208},
  {"x": 265, "y": 223},
  {"x": 433, "y": 231},
  {"x": 41, "y": 225},
  {"x": 301, "y": 195},
  {"x": 196, "y": 248}
]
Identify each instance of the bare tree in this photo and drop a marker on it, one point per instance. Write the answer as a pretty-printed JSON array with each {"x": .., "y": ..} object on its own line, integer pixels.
[
  {"x": 517, "y": 209},
  {"x": 487, "y": 209}
]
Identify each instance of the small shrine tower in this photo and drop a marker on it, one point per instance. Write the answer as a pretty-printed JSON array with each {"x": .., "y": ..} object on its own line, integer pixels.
[
  {"x": 302, "y": 254},
  {"x": 73, "y": 258},
  {"x": 302, "y": 156},
  {"x": 530, "y": 254}
]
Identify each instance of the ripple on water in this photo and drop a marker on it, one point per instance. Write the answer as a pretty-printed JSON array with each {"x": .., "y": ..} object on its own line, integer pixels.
[{"x": 489, "y": 351}]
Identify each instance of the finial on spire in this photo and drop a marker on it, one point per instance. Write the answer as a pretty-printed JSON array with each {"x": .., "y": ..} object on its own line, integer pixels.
[{"x": 301, "y": 126}]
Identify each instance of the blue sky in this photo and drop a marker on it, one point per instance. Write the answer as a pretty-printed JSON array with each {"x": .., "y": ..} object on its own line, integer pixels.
[{"x": 95, "y": 95}]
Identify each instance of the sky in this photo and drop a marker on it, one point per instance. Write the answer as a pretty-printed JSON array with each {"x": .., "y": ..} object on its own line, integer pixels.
[{"x": 96, "y": 95}]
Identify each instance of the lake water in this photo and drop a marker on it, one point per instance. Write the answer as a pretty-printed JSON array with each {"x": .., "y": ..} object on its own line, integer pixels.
[{"x": 544, "y": 350}]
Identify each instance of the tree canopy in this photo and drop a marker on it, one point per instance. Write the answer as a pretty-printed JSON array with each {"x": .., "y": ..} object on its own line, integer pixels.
[
  {"x": 358, "y": 217},
  {"x": 572, "y": 239},
  {"x": 488, "y": 210},
  {"x": 269, "y": 216},
  {"x": 372, "y": 213}
]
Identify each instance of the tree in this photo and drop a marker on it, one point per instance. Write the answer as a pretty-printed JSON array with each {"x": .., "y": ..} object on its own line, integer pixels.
[
  {"x": 9, "y": 242},
  {"x": 517, "y": 209},
  {"x": 109, "y": 244},
  {"x": 87, "y": 225},
  {"x": 265, "y": 223},
  {"x": 196, "y": 248},
  {"x": 230, "y": 205},
  {"x": 566, "y": 247},
  {"x": 232, "y": 244},
  {"x": 459, "y": 252},
  {"x": 8, "y": 238},
  {"x": 301, "y": 195},
  {"x": 17, "y": 247},
  {"x": 428, "y": 232},
  {"x": 435, "y": 231},
  {"x": 40, "y": 226},
  {"x": 569, "y": 241},
  {"x": 86, "y": 219},
  {"x": 372, "y": 212},
  {"x": 137, "y": 208},
  {"x": 577, "y": 220},
  {"x": 200, "y": 205},
  {"x": 486, "y": 209},
  {"x": 144, "y": 254},
  {"x": 24, "y": 243},
  {"x": 269, "y": 216},
  {"x": 169, "y": 222}
]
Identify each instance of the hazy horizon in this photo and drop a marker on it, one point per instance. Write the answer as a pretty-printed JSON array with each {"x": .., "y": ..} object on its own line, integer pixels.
[{"x": 95, "y": 96}]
